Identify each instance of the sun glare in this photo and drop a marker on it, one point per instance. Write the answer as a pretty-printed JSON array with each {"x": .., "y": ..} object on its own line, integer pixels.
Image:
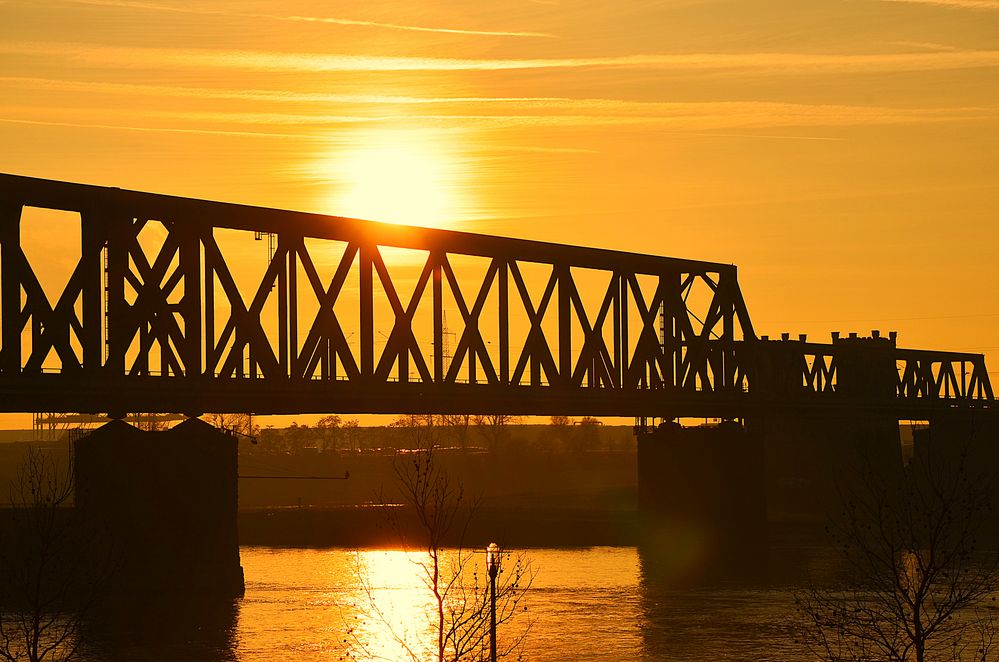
[{"x": 396, "y": 177}]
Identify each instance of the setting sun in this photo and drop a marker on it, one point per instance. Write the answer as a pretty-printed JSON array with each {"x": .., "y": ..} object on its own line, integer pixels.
[{"x": 397, "y": 177}]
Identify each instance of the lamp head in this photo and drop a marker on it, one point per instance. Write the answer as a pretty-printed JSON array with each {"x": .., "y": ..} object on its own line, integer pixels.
[{"x": 492, "y": 558}]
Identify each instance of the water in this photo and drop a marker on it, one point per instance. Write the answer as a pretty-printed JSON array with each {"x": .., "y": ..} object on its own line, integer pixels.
[{"x": 585, "y": 604}]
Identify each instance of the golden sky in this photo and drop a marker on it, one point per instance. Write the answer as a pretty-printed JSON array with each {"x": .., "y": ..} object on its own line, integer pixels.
[{"x": 843, "y": 153}]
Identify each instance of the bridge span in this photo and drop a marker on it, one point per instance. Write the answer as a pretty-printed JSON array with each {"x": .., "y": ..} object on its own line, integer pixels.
[{"x": 154, "y": 319}]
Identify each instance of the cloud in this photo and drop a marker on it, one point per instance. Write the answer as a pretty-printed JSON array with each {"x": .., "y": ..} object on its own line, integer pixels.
[
  {"x": 767, "y": 63},
  {"x": 146, "y": 129},
  {"x": 986, "y": 5},
  {"x": 664, "y": 116},
  {"x": 206, "y": 11}
]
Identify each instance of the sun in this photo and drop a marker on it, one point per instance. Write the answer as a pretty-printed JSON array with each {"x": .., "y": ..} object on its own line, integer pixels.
[{"x": 397, "y": 177}]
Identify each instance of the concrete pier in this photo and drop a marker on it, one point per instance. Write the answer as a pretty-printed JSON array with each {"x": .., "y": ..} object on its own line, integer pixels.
[
  {"x": 813, "y": 458},
  {"x": 167, "y": 503},
  {"x": 702, "y": 501}
]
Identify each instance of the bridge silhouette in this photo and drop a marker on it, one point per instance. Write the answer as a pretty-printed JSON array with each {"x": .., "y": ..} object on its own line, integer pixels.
[
  {"x": 162, "y": 315},
  {"x": 541, "y": 328}
]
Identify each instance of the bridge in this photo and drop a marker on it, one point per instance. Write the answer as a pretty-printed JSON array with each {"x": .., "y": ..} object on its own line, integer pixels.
[
  {"x": 163, "y": 314},
  {"x": 541, "y": 328}
]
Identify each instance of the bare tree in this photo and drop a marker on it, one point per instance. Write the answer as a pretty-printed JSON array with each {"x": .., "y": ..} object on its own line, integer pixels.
[
  {"x": 335, "y": 432},
  {"x": 495, "y": 428},
  {"x": 47, "y": 577},
  {"x": 460, "y": 615},
  {"x": 918, "y": 583},
  {"x": 560, "y": 429},
  {"x": 239, "y": 423},
  {"x": 457, "y": 426},
  {"x": 586, "y": 433}
]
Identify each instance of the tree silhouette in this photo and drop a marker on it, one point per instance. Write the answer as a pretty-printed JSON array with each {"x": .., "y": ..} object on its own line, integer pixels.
[
  {"x": 460, "y": 614},
  {"x": 49, "y": 577},
  {"x": 917, "y": 581}
]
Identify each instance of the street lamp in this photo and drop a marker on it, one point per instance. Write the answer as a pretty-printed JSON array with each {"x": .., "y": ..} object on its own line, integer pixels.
[{"x": 492, "y": 566}]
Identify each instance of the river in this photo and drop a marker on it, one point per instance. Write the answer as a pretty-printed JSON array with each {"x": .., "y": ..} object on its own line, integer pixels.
[{"x": 584, "y": 604}]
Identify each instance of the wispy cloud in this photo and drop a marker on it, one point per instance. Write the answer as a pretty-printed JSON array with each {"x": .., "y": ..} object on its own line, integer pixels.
[
  {"x": 278, "y": 96},
  {"x": 147, "y": 129},
  {"x": 201, "y": 10},
  {"x": 953, "y": 4},
  {"x": 316, "y": 107},
  {"x": 768, "y": 63},
  {"x": 307, "y": 137},
  {"x": 678, "y": 116}
]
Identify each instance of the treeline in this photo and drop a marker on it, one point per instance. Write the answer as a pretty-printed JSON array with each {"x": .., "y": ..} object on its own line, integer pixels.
[{"x": 493, "y": 434}]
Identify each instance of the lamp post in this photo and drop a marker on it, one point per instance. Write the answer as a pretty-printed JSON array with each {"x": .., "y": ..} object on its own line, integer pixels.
[{"x": 492, "y": 566}]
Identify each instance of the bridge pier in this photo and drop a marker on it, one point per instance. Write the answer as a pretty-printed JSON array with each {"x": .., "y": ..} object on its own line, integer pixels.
[
  {"x": 167, "y": 502},
  {"x": 702, "y": 502},
  {"x": 812, "y": 458},
  {"x": 963, "y": 445}
]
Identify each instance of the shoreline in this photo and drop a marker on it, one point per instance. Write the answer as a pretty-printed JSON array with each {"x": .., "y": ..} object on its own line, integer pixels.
[{"x": 370, "y": 526}]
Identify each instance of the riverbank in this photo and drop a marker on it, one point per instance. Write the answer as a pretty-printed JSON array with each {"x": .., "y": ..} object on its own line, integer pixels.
[{"x": 516, "y": 526}]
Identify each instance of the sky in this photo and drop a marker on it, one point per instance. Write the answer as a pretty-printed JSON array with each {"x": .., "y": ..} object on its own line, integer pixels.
[{"x": 843, "y": 153}]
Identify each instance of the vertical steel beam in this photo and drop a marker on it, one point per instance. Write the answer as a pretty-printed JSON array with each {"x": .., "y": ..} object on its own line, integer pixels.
[
  {"x": 91, "y": 242},
  {"x": 438, "y": 320},
  {"x": 118, "y": 225},
  {"x": 367, "y": 311},
  {"x": 504, "y": 322},
  {"x": 209, "y": 332},
  {"x": 625, "y": 359},
  {"x": 189, "y": 242},
  {"x": 671, "y": 344},
  {"x": 615, "y": 285},
  {"x": 11, "y": 261},
  {"x": 296, "y": 245},
  {"x": 564, "y": 325},
  {"x": 282, "y": 285}
]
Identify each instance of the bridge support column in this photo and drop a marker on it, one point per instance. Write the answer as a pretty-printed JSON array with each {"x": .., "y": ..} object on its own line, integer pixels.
[
  {"x": 963, "y": 445},
  {"x": 702, "y": 502},
  {"x": 812, "y": 459},
  {"x": 167, "y": 502}
]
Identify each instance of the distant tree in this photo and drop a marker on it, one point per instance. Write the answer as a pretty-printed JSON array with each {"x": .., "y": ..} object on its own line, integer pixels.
[
  {"x": 918, "y": 583},
  {"x": 48, "y": 578},
  {"x": 350, "y": 433},
  {"x": 495, "y": 429},
  {"x": 334, "y": 432},
  {"x": 459, "y": 590},
  {"x": 417, "y": 430},
  {"x": 457, "y": 426},
  {"x": 297, "y": 437},
  {"x": 586, "y": 434},
  {"x": 558, "y": 421},
  {"x": 560, "y": 430},
  {"x": 238, "y": 423}
]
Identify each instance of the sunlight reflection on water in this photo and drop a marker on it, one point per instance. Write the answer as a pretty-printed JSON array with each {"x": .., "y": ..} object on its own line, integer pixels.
[{"x": 587, "y": 604}]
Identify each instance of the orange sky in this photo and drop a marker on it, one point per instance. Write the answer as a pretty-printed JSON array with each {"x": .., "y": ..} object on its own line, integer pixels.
[{"x": 843, "y": 153}]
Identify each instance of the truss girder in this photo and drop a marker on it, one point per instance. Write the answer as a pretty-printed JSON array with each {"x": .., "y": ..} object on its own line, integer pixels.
[{"x": 537, "y": 328}]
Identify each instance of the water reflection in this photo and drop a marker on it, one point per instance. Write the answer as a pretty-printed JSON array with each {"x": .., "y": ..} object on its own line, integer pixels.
[
  {"x": 148, "y": 627},
  {"x": 393, "y": 606},
  {"x": 585, "y": 604}
]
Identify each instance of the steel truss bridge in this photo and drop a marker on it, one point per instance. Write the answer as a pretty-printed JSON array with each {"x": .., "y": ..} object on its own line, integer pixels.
[{"x": 155, "y": 321}]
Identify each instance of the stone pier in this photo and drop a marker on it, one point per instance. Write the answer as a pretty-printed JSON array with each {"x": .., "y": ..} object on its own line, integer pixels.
[
  {"x": 702, "y": 501},
  {"x": 166, "y": 502}
]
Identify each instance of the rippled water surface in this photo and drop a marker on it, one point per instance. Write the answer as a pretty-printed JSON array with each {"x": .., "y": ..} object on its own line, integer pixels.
[{"x": 585, "y": 604}]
